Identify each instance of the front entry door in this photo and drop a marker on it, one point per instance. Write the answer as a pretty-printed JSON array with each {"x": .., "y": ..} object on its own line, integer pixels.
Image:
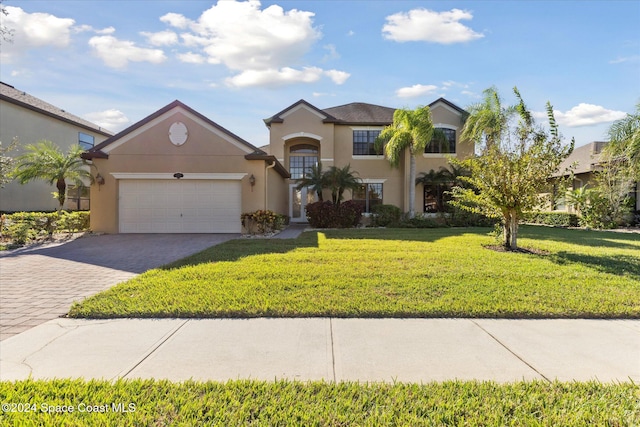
[{"x": 298, "y": 199}]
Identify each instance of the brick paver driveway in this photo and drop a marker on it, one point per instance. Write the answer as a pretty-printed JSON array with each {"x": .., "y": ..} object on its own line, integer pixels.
[{"x": 40, "y": 283}]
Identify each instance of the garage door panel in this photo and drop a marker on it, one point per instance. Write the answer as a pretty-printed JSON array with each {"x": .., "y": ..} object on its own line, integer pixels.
[{"x": 173, "y": 206}]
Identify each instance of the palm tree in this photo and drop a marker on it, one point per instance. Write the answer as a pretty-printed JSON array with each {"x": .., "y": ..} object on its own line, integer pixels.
[
  {"x": 624, "y": 137},
  {"x": 487, "y": 120},
  {"x": 411, "y": 130},
  {"x": 340, "y": 179},
  {"x": 45, "y": 161},
  {"x": 315, "y": 179}
]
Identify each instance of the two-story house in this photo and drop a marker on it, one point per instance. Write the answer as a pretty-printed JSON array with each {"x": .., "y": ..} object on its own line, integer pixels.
[
  {"x": 30, "y": 119},
  {"x": 178, "y": 171}
]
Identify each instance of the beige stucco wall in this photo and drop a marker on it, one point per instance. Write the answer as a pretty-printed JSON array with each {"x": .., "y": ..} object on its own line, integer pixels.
[
  {"x": 336, "y": 148},
  {"x": 30, "y": 127},
  {"x": 152, "y": 152}
]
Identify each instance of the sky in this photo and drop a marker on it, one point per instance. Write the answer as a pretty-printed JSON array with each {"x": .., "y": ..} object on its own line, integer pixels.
[{"x": 238, "y": 62}]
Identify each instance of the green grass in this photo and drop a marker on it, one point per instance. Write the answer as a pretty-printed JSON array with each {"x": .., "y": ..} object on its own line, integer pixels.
[
  {"x": 284, "y": 403},
  {"x": 391, "y": 273}
]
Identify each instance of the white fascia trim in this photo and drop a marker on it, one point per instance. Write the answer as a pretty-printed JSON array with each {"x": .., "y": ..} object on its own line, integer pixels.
[
  {"x": 446, "y": 107},
  {"x": 302, "y": 135},
  {"x": 171, "y": 113},
  {"x": 363, "y": 157},
  {"x": 445, "y": 126},
  {"x": 298, "y": 107},
  {"x": 201, "y": 176},
  {"x": 372, "y": 181}
]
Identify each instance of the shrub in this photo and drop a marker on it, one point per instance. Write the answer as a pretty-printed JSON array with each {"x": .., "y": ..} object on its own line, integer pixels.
[
  {"x": 22, "y": 227},
  {"x": 328, "y": 215},
  {"x": 421, "y": 221},
  {"x": 385, "y": 215},
  {"x": 263, "y": 221},
  {"x": 73, "y": 221},
  {"x": 558, "y": 219},
  {"x": 462, "y": 218}
]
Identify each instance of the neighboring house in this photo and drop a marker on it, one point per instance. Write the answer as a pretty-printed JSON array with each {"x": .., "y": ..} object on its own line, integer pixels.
[
  {"x": 31, "y": 119},
  {"x": 178, "y": 171},
  {"x": 584, "y": 162}
]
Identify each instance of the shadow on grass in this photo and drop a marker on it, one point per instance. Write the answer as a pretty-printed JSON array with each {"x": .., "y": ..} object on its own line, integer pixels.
[
  {"x": 605, "y": 239},
  {"x": 619, "y": 265},
  {"x": 406, "y": 234},
  {"x": 234, "y": 250}
]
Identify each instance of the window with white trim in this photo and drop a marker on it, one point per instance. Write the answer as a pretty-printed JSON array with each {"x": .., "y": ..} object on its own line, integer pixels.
[
  {"x": 302, "y": 158},
  {"x": 364, "y": 142},
  {"x": 367, "y": 196},
  {"x": 446, "y": 145}
]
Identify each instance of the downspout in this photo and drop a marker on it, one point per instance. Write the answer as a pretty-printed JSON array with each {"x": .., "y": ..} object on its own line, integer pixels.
[{"x": 266, "y": 187}]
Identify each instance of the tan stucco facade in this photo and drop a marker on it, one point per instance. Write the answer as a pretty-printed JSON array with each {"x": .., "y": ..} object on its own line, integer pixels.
[
  {"x": 31, "y": 126},
  {"x": 304, "y": 125},
  {"x": 147, "y": 152}
]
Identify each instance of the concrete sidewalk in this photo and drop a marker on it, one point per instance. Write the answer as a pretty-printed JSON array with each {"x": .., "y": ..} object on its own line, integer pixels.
[{"x": 406, "y": 350}]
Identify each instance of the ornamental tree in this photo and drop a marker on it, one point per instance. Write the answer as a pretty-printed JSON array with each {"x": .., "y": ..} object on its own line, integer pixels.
[{"x": 515, "y": 159}]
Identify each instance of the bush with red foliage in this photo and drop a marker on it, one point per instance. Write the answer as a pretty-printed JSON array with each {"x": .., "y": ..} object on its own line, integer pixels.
[{"x": 327, "y": 215}]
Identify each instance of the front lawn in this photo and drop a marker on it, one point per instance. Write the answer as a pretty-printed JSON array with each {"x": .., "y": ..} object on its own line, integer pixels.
[
  {"x": 391, "y": 273},
  {"x": 284, "y": 403}
]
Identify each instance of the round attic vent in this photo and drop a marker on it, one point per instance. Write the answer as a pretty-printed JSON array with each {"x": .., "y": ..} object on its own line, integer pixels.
[{"x": 178, "y": 133}]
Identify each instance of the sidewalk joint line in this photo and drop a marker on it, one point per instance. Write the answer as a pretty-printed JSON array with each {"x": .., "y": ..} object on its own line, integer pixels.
[
  {"x": 155, "y": 348},
  {"x": 511, "y": 351},
  {"x": 333, "y": 353}
]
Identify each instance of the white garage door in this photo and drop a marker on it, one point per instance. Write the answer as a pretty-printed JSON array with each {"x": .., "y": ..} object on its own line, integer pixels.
[{"x": 179, "y": 206}]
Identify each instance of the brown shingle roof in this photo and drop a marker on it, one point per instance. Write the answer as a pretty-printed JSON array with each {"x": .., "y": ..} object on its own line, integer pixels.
[
  {"x": 362, "y": 114},
  {"x": 585, "y": 158},
  {"x": 11, "y": 94}
]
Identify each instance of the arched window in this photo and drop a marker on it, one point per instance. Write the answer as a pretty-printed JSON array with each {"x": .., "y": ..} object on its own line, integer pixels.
[{"x": 301, "y": 158}]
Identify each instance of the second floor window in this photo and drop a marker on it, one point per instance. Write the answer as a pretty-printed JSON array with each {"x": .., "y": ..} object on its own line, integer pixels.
[
  {"x": 85, "y": 141},
  {"x": 444, "y": 143},
  {"x": 363, "y": 142},
  {"x": 301, "y": 159}
]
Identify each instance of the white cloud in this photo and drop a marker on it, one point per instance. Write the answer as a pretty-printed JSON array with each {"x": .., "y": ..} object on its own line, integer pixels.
[
  {"x": 33, "y": 30},
  {"x": 176, "y": 20},
  {"x": 338, "y": 77},
  {"x": 273, "y": 77},
  {"x": 161, "y": 38},
  {"x": 118, "y": 53},
  {"x": 620, "y": 60},
  {"x": 263, "y": 46},
  {"x": 585, "y": 115},
  {"x": 430, "y": 26},
  {"x": 332, "y": 53},
  {"x": 415, "y": 90},
  {"x": 112, "y": 119},
  {"x": 88, "y": 28},
  {"x": 191, "y": 58}
]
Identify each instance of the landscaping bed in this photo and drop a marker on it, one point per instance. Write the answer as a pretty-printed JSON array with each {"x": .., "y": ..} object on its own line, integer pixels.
[
  {"x": 391, "y": 273},
  {"x": 285, "y": 403}
]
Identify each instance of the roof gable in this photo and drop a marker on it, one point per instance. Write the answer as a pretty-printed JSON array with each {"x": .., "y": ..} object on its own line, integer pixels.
[
  {"x": 11, "y": 94},
  {"x": 301, "y": 104},
  {"x": 102, "y": 150},
  {"x": 449, "y": 106}
]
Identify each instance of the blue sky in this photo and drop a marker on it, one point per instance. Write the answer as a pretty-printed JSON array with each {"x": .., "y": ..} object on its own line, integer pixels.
[{"x": 115, "y": 62}]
